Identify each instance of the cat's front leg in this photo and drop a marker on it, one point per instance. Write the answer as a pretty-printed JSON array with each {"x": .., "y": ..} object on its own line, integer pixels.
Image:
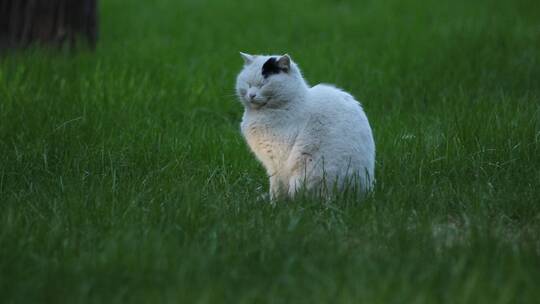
[
  {"x": 304, "y": 185},
  {"x": 296, "y": 183},
  {"x": 278, "y": 189}
]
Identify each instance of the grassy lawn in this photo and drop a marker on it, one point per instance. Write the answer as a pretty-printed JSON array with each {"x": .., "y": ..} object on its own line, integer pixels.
[{"x": 124, "y": 177}]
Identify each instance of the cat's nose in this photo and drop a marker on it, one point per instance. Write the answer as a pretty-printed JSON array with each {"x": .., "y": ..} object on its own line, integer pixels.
[{"x": 252, "y": 96}]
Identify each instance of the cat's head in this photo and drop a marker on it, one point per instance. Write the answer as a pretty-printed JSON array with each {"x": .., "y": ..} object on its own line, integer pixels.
[{"x": 268, "y": 81}]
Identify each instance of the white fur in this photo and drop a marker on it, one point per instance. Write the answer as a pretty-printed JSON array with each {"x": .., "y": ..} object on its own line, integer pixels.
[{"x": 312, "y": 138}]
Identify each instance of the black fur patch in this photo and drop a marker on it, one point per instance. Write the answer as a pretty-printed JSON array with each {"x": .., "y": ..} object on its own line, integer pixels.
[{"x": 270, "y": 67}]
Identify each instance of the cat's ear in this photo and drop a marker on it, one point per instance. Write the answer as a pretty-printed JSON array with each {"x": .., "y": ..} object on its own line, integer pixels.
[
  {"x": 247, "y": 58},
  {"x": 284, "y": 62}
]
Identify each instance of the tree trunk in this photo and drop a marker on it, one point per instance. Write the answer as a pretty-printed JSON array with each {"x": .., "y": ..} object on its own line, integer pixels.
[{"x": 48, "y": 22}]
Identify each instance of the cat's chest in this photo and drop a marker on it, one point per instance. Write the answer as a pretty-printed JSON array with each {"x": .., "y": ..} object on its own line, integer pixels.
[{"x": 271, "y": 142}]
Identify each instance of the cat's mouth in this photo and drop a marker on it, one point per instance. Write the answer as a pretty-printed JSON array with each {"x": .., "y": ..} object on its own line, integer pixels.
[{"x": 257, "y": 104}]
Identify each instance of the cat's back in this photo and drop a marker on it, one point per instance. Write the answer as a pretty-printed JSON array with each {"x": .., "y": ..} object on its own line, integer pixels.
[
  {"x": 345, "y": 121},
  {"x": 335, "y": 103},
  {"x": 347, "y": 138}
]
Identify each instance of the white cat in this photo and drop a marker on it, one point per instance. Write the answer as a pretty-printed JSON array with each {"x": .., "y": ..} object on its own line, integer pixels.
[{"x": 316, "y": 139}]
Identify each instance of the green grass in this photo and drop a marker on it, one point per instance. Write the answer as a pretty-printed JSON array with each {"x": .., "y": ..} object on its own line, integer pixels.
[{"x": 124, "y": 178}]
